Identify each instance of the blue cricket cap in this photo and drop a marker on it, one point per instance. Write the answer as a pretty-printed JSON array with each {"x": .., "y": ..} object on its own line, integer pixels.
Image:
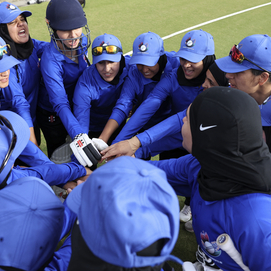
[
  {"x": 8, "y": 61},
  {"x": 147, "y": 49},
  {"x": 22, "y": 132},
  {"x": 30, "y": 225},
  {"x": 104, "y": 40},
  {"x": 256, "y": 48},
  {"x": 9, "y": 12},
  {"x": 123, "y": 207},
  {"x": 196, "y": 45}
]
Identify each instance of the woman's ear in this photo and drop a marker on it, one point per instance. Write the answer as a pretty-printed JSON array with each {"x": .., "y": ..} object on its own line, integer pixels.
[{"x": 263, "y": 78}]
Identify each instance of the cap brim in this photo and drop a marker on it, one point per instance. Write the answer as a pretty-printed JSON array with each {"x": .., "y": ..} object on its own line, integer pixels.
[
  {"x": 107, "y": 57},
  {"x": 144, "y": 60},
  {"x": 14, "y": 15},
  {"x": 195, "y": 58},
  {"x": 7, "y": 62},
  {"x": 74, "y": 199},
  {"x": 227, "y": 65}
]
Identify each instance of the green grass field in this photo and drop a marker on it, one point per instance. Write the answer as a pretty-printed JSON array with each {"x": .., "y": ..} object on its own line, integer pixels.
[{"x": 126, "y": 19}]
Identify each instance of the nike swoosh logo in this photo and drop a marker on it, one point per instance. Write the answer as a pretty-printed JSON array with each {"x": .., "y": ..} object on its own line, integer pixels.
[{"x": 207, "y": 127}]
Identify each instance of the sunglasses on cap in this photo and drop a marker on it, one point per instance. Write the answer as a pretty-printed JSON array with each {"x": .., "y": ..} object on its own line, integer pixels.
[
  {"x": 238, "y": 57},
  {"x": 5, "y": 50},
  {"x": 5, "y": 122},
  {"x": 110, "y": 49}
]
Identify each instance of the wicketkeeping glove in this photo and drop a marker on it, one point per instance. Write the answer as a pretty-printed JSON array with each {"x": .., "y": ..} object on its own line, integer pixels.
[
  {"x": 85, "y": 151},
  {"x": 99, "y": 144}
]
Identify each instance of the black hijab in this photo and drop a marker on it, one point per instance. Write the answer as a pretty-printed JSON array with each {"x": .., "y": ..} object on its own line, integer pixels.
[
  {"x": 234, "y": 158},
  {"x": 199, "y": 80},
  {"x": 19, "y": 51},
  {"x": 219, "y": 75},
  {"x": 83, "y": 258}
]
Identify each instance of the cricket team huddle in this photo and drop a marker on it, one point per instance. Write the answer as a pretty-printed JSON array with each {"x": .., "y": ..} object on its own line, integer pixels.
[{"x": 208, "y": 119}]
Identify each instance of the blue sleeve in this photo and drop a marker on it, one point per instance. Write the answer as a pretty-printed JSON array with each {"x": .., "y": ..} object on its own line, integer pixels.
[
  {"x": 146, "y": 110},
  {"x": 127, "y": 98},
  {"x": 39, "y": 45},
  {"x": 82, "y": 101},
  {"x": 14, "y": 96},
  {"x": 53, "y": 72},
  {"x": 55, "y": 174},
  {"x": 169, "y": 126},
  {"x": 178, "y": 173},
  {"x": 33, "y": 156},
  {"x": 167, "y": 143},
  {"x": 61, "y": 258},
  {"x": 68, "y": 222}
]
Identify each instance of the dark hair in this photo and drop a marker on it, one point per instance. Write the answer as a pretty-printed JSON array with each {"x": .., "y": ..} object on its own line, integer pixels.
[{"x": 259, "y": 72}]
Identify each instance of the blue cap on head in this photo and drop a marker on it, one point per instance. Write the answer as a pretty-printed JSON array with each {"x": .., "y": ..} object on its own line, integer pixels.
[
  {"x": 196, "y": 45},
  {"x": 65, "y": 15},
  {"x": 147, "y": 49},
  {"x": 125, "y": 206},
  {"x": 22, "y": 132},
  {"x": 9, "y": 12},
  {"x": 256, "y": 48},
  {"x": 104, "y": 40},
  {"x": 8, "y": 61},
  {"x": 30, "y": 225}
]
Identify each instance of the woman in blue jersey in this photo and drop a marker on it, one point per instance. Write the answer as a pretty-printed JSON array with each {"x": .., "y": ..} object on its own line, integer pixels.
[
  {"x": 62, "y": 62},
  {"x": 14, "y": 31},
  {"x": 149, "y": 64},
  {"x": 228, "y": 178},
  {"x": 181, "y": 86},
  {"x": 99, "y": 87}
]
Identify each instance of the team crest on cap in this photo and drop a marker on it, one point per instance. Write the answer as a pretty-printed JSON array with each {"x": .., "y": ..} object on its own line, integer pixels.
[
  {"x": 11, "y": 7},
  {"x": 189, "y": 42},
  {"x": 104, "y": 43},
  {"x": 143, "y": 47}
]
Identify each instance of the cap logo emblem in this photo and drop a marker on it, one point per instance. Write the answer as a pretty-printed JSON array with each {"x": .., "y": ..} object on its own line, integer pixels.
[
  {"x": 11, "y": 7},
  {"x": 104, "y": 43},
  {"x": 189, "y": 42},
  {"x": 143, "y": 47}
]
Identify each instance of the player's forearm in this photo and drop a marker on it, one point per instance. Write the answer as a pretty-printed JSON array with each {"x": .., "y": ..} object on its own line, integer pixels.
[
  {"x": 109, "y": 129},
  {"x": 32, "y": 136}
]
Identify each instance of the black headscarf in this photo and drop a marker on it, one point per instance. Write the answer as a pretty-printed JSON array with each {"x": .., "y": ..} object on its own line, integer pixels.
[
  {"x": 82, "y": 257},
  {"x": 234, "y": 158},
  {"x": 199, "y": 80},
  {"x": 19, "y": 51},
  {"x": 219, "y": 75},
  {"x": 162, "y": 61}
]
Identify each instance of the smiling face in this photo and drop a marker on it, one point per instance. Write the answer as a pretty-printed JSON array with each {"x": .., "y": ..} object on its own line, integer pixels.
[
  {"x": 148, "y": 71},
  {"x": 4, "y": 79},
  {"x": 186, "y": 132},
  {"x": 71, "y": 38},
  {"x": 18, "y": 30},
  {"x": 107, "y": 69},
  {"x": 191, "y": 70}
]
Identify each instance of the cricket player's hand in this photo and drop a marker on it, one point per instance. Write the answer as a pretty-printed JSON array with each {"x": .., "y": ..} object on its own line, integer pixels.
[
  {"x": 85, "y": 151},
  {"x": 99, "y": 144},
  {"x": 125, "y": 147}
]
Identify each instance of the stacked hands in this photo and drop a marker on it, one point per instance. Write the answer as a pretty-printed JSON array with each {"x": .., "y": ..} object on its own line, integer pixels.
[{"x": 89, "y": 152}]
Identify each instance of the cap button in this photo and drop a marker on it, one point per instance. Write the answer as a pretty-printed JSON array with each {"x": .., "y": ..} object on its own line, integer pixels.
[
  {"x": 33, "y": 207},
  {"x": 144, "y": 172}
]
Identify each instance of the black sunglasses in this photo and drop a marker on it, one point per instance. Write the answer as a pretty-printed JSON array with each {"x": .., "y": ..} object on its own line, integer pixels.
[{"x": 4, "y": 122}]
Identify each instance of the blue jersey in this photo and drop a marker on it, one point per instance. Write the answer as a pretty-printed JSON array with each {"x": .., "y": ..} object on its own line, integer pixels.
[
  {"x": 266, "y": 113},
  {"x": 29, "y": 76},
  {"x": 53, "y": 174},
  {"x": 60, "y": 75},
  {"x": 136, "y": 89},
  {"x": 246, "y": 218},
  {"x": 12, "y": 98},
  {"x": 94, "y": 99},
  {"x": 168, "y": 87}
]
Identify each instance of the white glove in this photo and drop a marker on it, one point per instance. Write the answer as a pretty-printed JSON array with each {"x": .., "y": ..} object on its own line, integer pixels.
[
  {"x": 85, "y": 151},
  {"x": 99, "y": 144},
  {"x": 188, "y": 266}
]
